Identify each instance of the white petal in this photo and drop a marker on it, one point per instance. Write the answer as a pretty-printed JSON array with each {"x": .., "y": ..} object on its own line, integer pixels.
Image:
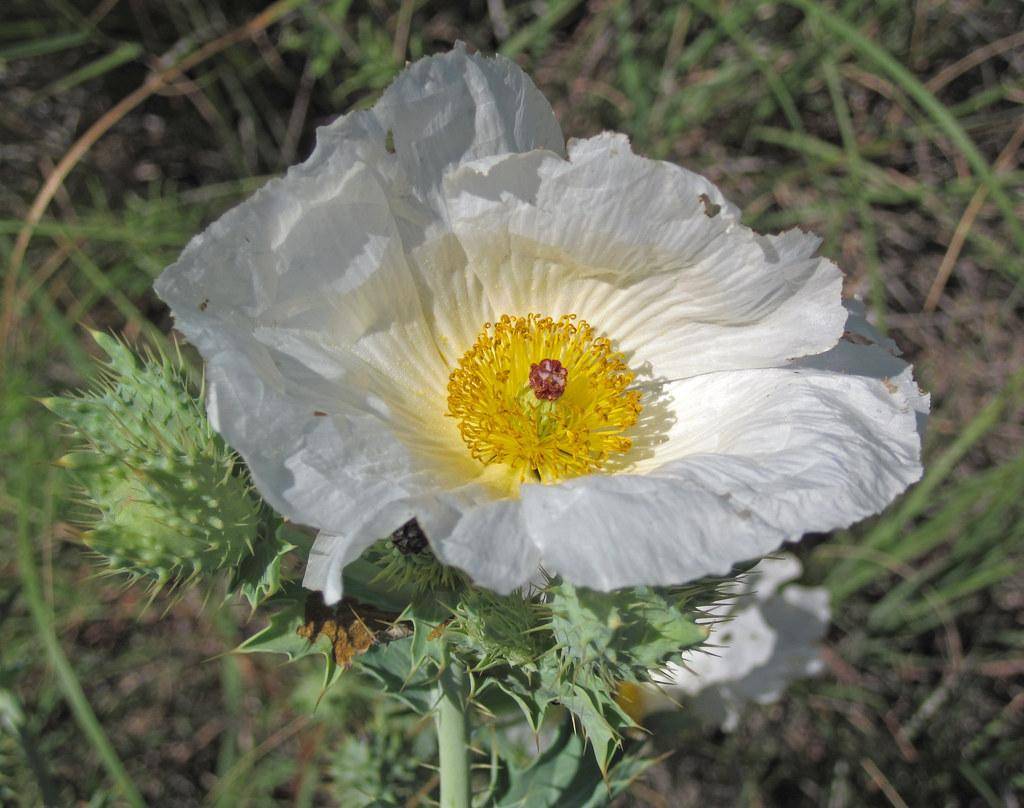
[
  {"x": 734, "y": 649},
  {"x": 627, "y": 244},
  {"x": 322, "y": 368},
  {"x": 330, "y": 555},
  {"x": 757, "y": 584},
  {"x": 624, "y": 530},
  {"x": 754, "y": 458},
  {"x": 286, "y": 297},
  {"x": 877, "y": 359},
  {"x": 447, "y": 109},
  {"x": 799, "y": 618},
  {"x": 492, "y": 544}
]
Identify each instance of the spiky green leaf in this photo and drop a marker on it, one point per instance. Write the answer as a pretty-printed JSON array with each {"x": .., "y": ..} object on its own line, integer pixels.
[
  {"x": 622, "y": 634},
  {"x": 392, "y": 665},
  {"x": 565, "y": 776},
  {"x": 280, "y": 636},
  {"x": 259, "y": 576}
]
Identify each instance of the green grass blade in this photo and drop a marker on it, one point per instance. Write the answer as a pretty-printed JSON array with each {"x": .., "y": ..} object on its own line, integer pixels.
[
  {"x": 99, "y": 231},
  {"x": 538, "y": 29},
  {"x": 974, "y": 515},
  {"x": 775, "y": 84},
  {"x": 934, "y": 108},
  {"x": 850, "y": 575},
  {"x": 44, "y": 46},
  {"x": 125, "y": 52},
  {"x": 14, "y": 722},
  {"x": 974, "y": 777},
  {"x": 69, "y": 684},
  {"x": 864, "y": 215}
]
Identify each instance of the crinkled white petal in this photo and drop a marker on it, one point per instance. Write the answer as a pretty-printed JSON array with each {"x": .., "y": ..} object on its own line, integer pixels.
[
  {"x": 448, "y": 109},
  {"x": 322, "y": 368},
  {"x": 492, "y": 543},
  {"x": 751, "y": 459},
  {"x": 295, "y": 383},
  {"x": 328, "y": 557},
  {"x": 770, "y": 639},
  {"x": 626, "y": 243},
  {"x": 869, "y": 354}
]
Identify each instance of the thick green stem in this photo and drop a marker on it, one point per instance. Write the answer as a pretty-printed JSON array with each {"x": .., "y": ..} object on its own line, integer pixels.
[{"x": 453, "y": 736}]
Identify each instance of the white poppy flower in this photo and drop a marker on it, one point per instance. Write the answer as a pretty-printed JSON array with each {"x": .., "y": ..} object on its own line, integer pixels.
[
  {"x": 371, "y": 324},
  {"x": 770, "y": 638}
]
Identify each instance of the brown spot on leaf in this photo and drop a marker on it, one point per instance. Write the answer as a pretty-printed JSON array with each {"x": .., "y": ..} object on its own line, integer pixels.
[
  {"x": 890, "y": 385},
  {"x": 389, "y": 142},
  {"x": 319, "y": 413},
  {"x": 204, "y": 304}
]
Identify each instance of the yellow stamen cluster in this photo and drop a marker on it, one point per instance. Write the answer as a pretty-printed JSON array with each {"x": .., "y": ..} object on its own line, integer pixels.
[{"x": 503, "y": 421}]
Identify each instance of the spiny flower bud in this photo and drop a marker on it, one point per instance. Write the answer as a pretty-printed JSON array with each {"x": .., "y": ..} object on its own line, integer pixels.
[
  {"x": 166, "y": 501},
  {"x": 501, "y": 628},
  {"x": 623, "y": 635}
]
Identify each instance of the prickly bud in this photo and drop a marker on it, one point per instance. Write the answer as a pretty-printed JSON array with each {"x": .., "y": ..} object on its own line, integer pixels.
[
  {"x": 622, "y": 635},
  {"x": 167, "y": 500},
  {"x": 501, "y": 628},
  {"x": 406, "y": 562}
]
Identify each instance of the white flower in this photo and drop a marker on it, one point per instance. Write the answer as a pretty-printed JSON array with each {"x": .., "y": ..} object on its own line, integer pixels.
[
  {"x": 770, "y": 638},
  {"x": 370, "y": 322}
]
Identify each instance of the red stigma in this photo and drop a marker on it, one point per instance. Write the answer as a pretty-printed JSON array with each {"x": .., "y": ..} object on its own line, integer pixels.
[{"x": 547, "y": 378}]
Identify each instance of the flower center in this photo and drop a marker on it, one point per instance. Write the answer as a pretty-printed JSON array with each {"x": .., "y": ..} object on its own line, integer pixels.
[
  {"x": 547, "y": 378},
  {"x": 545, "y": 397}
]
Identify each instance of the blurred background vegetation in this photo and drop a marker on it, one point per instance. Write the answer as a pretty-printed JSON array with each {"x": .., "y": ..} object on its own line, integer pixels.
[{"x": 893, "y": 128}]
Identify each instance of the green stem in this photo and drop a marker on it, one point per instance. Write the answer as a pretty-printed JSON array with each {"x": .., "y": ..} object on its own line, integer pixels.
[
  {"x": 232, "y": 693},
  {"x": 80, "y": 708},
  {"x": 453, "y": 736}
]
